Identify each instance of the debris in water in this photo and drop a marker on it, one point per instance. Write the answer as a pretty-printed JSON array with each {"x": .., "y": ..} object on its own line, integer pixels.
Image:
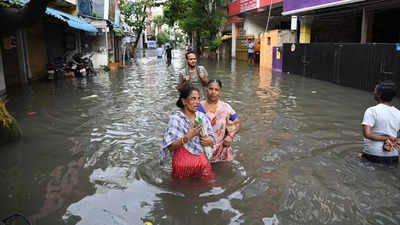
[{"x": 89, "y": 97}]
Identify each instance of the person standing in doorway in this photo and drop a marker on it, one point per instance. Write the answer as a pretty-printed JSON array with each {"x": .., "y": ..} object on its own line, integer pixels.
[
  {"x": 193, "y": 74},
  {"x": 250, "y": 51},
  {"x": 160, "y": 51},
  {"x": 380, "y": 126}
]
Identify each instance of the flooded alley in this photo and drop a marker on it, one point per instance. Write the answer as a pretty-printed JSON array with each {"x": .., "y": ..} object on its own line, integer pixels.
[{"x": 90, "y": 152}]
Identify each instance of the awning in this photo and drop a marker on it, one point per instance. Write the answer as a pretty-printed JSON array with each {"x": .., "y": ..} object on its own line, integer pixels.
[
  {"x": 235, "y": 20},
  {"x": 71, "y": 20}
]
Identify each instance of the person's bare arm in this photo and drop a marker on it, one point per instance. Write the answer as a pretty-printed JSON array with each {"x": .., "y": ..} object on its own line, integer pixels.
[
  {"x": 229, "y": 138},
  {"x": 367, "y": 132},
  {"x": 204, "y": 76}
]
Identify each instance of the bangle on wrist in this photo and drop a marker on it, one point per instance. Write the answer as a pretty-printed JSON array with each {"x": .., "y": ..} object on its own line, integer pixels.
[{"x": 184, "y": 140}]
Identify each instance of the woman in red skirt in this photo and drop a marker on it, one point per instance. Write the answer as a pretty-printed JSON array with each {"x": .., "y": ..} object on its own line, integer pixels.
[{"x": 182, "y": 138}]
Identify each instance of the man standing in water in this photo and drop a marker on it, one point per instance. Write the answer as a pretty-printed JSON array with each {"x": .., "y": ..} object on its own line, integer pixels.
[
  {"x": 380, "y": 126},
  {"x": 193, "y": 74},
  {"x": 168, "y": 52}
]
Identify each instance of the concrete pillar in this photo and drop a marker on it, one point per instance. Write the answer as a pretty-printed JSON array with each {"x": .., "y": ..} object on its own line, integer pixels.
[
  {"x": 2, "y": 80},
  {"x": 305, "y": 29},
  {"x": 366, "y": 26},
  {"x": 22, "y": 51},
  {"x": 233, "y": 40}
]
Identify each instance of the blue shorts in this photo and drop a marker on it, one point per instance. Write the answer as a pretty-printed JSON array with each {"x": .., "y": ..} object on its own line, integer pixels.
[{"x": 251, "y": 55}]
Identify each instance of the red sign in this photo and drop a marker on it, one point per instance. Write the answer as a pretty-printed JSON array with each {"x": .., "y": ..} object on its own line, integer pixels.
[
  {"x": 264, "y": 3},
  {"x": 234, "y": 8},
  {"x": 240, "y": 6},
  {"x": 246, "y": 5}
]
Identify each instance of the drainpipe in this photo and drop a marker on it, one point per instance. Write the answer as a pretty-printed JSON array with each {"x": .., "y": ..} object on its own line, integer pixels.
[{"x": 106, "y": 43}]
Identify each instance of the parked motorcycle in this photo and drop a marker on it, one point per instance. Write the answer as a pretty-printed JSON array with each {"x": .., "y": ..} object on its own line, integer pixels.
[
  {"x": 77, "y": 66},
  {"x": 56, "y": 69},
  {"x": 88, "y": 63}
]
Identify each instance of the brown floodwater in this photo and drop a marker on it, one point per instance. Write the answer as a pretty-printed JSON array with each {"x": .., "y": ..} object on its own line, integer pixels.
[{"x": 89, "y": 154}]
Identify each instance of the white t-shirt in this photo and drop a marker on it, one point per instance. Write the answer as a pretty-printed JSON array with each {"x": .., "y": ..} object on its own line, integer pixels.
[
  {"x": 384, "y": 120},
  {"x": 251, "y": 47}
]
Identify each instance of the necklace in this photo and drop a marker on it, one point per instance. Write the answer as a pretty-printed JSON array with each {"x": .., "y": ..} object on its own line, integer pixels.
[{"x": 212, "y": 108}]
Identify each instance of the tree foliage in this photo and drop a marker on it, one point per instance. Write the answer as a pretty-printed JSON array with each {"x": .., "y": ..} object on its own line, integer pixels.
[
  {"x": 163, "y": 37},
  {"x": 203, "y": 16},
  {"x": 134, "y": 15},
  {"x": 158, "y": 20}
]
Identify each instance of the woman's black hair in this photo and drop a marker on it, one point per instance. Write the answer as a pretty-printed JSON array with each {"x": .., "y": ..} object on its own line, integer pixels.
[
  {"x": 190, "y": 52},
  {"x": 387, "y": 89},
  {"x": 184, "y": 93},
  {"x": 215, "y": 81}
]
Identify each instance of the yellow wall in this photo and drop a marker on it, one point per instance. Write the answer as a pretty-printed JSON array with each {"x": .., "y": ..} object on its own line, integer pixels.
[
  {"x": 266, "y": 48},
  {"x": 37, "y": 52},
  {"x": 305, "y": 33}
]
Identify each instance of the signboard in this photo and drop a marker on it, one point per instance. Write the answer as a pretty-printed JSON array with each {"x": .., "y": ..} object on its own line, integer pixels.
[
  {"x": 246, "y": 5},
  {"x": 239, "y": 6},
  {"x": 289, "y": 5},
  {"x": 293, "y": 25}
]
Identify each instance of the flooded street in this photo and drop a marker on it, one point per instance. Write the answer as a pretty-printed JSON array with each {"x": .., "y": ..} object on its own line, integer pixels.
[{"x": 89, "y": 154}]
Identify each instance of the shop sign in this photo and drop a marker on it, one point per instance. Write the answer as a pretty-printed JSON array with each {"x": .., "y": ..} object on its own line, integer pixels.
[{"x": 246, "y": 5}]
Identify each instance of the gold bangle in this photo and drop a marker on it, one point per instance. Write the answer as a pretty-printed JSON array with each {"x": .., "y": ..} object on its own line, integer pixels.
[{"x": 184, "y": 140}]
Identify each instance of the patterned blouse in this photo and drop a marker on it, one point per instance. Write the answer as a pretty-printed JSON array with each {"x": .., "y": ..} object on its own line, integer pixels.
[{"x": 178, "y": 127}]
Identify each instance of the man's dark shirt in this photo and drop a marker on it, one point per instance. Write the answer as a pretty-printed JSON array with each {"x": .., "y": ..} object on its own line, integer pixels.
[{"x": 169, "y": 53}]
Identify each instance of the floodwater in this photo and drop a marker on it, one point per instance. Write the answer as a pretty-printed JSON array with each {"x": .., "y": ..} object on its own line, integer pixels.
[{"x": 89, "y": 154}]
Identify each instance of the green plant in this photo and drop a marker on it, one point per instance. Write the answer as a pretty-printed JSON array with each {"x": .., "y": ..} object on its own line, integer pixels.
[
  {"x": 162, "y": 38},
  {"x": 134, "y": 14},
  {"x": 106, "y": 68},
  {"x": 214, "y": 44}
]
